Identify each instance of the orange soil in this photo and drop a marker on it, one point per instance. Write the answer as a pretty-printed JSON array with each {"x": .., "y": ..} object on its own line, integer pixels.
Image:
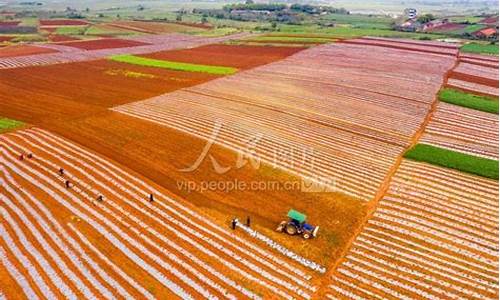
[
  {"x": 103, "y": 44},
  {"x": 241, "y": 57},
  {"x": 79, "y": 113},
  {"x": 22, "y": 50}
]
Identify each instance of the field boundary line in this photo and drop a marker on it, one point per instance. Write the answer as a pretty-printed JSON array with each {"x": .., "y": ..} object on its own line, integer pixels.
[{"x": 373, "y": 204}]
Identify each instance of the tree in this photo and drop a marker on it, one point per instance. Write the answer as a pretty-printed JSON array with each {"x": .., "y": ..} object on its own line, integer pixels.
[
  {"x": 426, "y": 18},
  {"x": 178, "y": 18},
  {"x": 249, "y": 2}
]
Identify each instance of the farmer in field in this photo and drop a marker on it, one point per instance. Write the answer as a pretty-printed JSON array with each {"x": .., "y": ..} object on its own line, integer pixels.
[
  {"x": 151, "y": 198},
  {"x": 61, "y": 171},
  {"x": 67, "y": 183},
  {"x": 21, "y": 157}
]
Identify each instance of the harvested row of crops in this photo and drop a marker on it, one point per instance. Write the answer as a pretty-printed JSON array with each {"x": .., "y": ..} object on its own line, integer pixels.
[
  {"x": 434, "y": 47},
  {"x": 473, "y": 87},
  {"x": 326, "y": 113},
  {"x": 173, "y": 65},
  {"x": 107, "y": 43},
  {"x": 158, "y": 43},
  {"x": 433, "y": 236},
  {"x": 99, "y": 234},
  {"x": 463, "y": 129}
]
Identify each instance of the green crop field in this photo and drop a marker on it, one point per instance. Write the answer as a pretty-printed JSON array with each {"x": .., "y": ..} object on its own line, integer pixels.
[
  {"x": 178, "y": 66},
  {"x": 480, "y": 48},
  {"x": 455, "y": 160},
  {"x": 482, "y": 103},
  {"x": 351, "y": 32},
  {"x": 8, "y": 124}
]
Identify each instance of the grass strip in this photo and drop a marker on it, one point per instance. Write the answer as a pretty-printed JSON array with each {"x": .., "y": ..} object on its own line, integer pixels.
[
  {"x": 454, "y": 160},
  {"x": 178, "y": 66},
  {"x": 457, "y": 97},
  {"x": 480, "y": 48},
  {"x": 8, "y": 124}
]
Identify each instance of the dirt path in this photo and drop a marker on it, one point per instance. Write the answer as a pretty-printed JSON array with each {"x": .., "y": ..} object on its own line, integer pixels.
[{"x": 384, "y": 187}]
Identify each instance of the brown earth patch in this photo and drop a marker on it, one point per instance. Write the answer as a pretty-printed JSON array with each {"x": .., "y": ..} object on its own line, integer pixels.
[
  {"x": 241, "y": 57},
  {"x": 22, "y": 50}
]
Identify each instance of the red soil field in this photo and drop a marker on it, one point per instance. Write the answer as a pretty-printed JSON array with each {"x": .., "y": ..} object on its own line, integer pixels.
[
  {"x": 61, "y": 38},
  {"x": 448, "y": 27},
  {"x": 5, "y": 38},
  {"x": 241, "y": 57},
  {"x": 101, "y": 84},
  {"x": 22, "y": 50},
  {"x": 475, "y": 79},
  {"x": 9, "y": 23},
  {"x": 197, "y": 25},
  {"x": 52, "y": 101},
  {"x": 103, "y": 44},
  {"x": 62, "y": 22}
]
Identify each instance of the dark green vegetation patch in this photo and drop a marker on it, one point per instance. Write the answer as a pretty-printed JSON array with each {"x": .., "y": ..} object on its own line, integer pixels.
[
  {"x": 457, "y": 97},
  {"x": 455, "y": 160},
  {"x": 177, "y": 66}
]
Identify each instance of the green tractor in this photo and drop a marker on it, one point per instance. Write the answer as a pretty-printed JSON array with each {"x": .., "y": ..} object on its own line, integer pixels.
[{"x": 296, "y": 224}]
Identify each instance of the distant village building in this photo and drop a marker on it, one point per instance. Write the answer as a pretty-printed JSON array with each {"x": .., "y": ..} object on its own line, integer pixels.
[
  {"x": 411, "y": 13},
  {"x": 486, "y": 34}
]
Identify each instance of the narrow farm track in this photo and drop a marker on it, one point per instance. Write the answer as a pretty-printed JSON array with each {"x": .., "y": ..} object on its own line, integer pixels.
[
  {"x": 287, "y": 106},
  {"x": 135, "y": 45},
  {"x": 70, "y": 241}
]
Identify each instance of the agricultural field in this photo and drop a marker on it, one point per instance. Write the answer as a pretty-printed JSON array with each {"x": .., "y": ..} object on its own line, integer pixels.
[
  {"x": 155, "y": 159},
  {"x": 280, "y": 102},
  {"x": 433, "y": 235}
]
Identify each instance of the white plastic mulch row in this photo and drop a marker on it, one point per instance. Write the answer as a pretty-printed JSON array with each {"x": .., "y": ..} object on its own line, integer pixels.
[
  {"x": 303, "y": 261},
  {"x": 177, "y": 231},
  {"x": 61, "y": 236},
  {"x": 38, "y": 140},
  {"x": 53, "y": 186},
  {"x": 321, "y": 99},
  {"x": 428, "y": 239},
  {"x": 176, "y": 207},
  {"x": 462, "y": 129}
]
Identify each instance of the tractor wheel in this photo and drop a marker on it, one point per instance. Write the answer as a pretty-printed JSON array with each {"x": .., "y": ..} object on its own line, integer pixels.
[
  {"x": 306, "y": 235},
  {"x": 291, "y": 229}
]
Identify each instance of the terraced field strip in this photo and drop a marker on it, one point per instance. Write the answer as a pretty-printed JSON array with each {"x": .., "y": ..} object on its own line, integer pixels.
[
  {"x": 477, "y": 71},
  {"x": 472, "y": 87},
  {"x": 433, "y": 47},
  {"x": 77, "y": 225},
  {"x": 434, "y": 235},
  {"x": 462, "y": 129},
  {"x": 173, "y": 65},
  {"x": 326, "y": 113},
  {"x": 473, "y": 164},
  {"x": 158, "y": 43},
  {"x": 460, "y": 98}
]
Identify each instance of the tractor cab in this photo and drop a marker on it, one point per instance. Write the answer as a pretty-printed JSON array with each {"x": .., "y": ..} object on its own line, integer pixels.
[{"x": 296, "y": 224}]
